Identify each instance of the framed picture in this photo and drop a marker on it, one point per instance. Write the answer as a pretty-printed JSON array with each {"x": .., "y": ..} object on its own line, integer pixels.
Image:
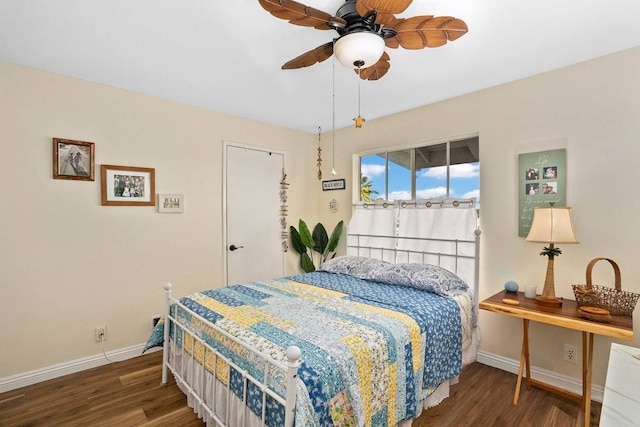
[
  {"x": 170, "y": 203},
  {"x": 128, "y": 186},
  {"x": 334, "y": 184},
  {"x": 73, "y": 160},
  {"x": 542, "y": 180}
]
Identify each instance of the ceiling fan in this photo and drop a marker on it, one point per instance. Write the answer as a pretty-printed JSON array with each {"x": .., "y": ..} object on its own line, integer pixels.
[{"x": 365, "y": 27}]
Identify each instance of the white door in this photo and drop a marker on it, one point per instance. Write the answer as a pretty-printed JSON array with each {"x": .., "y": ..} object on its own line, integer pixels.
[{"x": 253, "y": 231}]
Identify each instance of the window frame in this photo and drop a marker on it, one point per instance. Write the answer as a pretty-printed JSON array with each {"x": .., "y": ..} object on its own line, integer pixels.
[{"x": 390, "y": 149}]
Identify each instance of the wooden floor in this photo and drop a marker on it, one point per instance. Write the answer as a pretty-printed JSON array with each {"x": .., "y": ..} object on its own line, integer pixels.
[{"x": 129, "y": 394}]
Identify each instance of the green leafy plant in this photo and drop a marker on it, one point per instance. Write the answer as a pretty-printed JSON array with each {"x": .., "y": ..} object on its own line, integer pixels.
[
  {"x": 550, "y": 252},
  {"x": 306, "y": 243}
]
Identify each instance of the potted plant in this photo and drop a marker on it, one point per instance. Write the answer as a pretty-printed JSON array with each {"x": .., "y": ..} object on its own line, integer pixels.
[{"x": 306, "y": 243}]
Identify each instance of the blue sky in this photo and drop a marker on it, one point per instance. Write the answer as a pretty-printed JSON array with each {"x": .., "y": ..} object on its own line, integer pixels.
[{"x": 430, "y": 183}]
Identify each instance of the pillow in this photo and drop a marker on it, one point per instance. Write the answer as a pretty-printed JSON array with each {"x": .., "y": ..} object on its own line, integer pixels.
[
  {"x": 356, "y": 266},
  {"x": 426, "y": 277}
]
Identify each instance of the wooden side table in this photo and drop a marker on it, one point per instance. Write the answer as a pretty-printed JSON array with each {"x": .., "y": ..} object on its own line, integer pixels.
[{"x": 565, "y": 316}]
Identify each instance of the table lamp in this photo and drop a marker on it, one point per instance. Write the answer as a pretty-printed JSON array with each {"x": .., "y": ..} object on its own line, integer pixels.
[{"x": 551, "y": 225}]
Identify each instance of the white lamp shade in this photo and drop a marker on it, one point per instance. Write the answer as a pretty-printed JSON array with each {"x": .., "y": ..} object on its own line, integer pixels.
[
  {"x": 361, "y": 46},
  {"x": 552, "y": 225}
]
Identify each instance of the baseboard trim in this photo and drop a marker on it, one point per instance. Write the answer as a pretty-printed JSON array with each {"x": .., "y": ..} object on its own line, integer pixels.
[
  {"x": 510, "y": 365},
  {"x": 553, "y": 378},
  {"x": 32, "y": 377}
]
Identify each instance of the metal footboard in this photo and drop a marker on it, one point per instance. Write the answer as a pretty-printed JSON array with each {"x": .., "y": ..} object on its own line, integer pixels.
[{"x": 212, "y": 398}]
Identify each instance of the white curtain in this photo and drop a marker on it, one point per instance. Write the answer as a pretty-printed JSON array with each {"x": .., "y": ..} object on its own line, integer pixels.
[
  {"x": 437, "y": 221},
  {"x": 441, "y": 234},
  {"x": 371, "y": 231}
]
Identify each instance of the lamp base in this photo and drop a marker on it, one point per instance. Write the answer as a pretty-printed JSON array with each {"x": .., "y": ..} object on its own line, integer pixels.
[{"x": 548, "y": 302}]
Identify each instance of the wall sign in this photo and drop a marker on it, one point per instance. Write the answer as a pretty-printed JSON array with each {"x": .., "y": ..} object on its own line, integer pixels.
[
  {"x": 170, "y": 203},
  {"x": 542, "y": 179},
  {"x": 334, "y": 184}
]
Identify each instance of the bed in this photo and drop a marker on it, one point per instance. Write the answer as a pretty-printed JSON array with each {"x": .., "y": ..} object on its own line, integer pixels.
[{"x": 362, "y": 341}]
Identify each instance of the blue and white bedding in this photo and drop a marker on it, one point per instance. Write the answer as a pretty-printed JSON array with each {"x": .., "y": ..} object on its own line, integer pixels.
[
  {"x": 371, "y": 351},
  {"x": 425, "y": 277}
]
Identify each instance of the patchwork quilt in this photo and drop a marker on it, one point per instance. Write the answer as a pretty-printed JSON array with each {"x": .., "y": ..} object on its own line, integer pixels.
[{"x": 371, "y": 351}]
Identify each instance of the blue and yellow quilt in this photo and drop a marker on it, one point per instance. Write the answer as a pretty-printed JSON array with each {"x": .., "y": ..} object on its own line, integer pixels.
[{"x": 370, "y": 351}]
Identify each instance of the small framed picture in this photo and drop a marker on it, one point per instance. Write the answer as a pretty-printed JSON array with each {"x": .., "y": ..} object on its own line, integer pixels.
[
  {"x": 170, "y": 203},
  {"x": 73, "y": 160},
  {"x": 532, "y": 174},
  {"x": 334, "y": 184},
  {"x": 127, "y": 186}
]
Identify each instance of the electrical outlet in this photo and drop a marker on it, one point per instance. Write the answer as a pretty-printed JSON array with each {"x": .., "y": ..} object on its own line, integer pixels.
[
  {"x": 154, "y": 320},
  {"x": 101, "y": 333},
  {"x": 570, "y": 353}
]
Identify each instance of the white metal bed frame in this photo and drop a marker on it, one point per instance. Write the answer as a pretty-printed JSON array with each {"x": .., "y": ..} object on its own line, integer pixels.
[
  {"x": 393, "y": 250},
  {"x": 179, "y": 372},
  {"x": 182, "y": 371}
]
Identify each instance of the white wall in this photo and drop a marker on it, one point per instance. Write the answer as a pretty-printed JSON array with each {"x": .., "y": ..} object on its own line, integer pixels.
[
  {"x": 591, "y": 109},
  {"x": 69, "y": 264}
]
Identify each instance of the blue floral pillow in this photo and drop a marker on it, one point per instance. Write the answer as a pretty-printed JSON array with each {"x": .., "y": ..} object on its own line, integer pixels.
[
  {"x": 355, "y": 266},
  {"x": 426, "y": 277}
]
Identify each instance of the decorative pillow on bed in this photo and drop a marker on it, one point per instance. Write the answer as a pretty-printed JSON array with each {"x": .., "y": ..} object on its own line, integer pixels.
[
  {"x": 425, "y": 277},
  {"x": 356, "y": 266}
]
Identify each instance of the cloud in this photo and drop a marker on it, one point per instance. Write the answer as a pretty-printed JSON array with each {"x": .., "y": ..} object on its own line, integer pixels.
[
  {"x": 400, "y": 195},
  {"x": 465, "y": 170},
  {"x": 427, "y": 193},
  {"x": 373, "y": 170},
  {"x": 473, "y": 194},
  {"x": 432, "y": 193}
]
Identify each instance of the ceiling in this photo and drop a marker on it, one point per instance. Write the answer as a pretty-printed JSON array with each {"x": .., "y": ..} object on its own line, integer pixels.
[{"x": 226, "y": 55}]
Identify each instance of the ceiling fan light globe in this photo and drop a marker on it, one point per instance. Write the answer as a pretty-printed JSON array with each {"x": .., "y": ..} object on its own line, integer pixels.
[{"x": 364, "y": 48}]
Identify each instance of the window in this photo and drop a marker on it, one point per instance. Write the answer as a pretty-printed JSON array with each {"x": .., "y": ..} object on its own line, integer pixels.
[{"x": 446, "y": 170}]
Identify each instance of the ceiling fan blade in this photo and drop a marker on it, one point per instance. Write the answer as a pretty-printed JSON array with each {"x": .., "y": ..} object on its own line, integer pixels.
[
  {"x": 419, "y": 32},
  {"x": 311, "y": 57},
  {"x": 385, "y": 9},
  {"x": 377, "y": 70},
  {"x": 299, "y": 14},
  {"x": 382, "y": 6}
]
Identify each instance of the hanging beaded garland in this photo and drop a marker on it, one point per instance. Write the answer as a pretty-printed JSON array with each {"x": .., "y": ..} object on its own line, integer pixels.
[{"x": 319, "y": 153}]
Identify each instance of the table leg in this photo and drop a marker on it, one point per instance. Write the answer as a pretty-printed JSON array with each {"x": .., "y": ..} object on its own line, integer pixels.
[
  {"x": 524, "y": 360},
  {"x": 525, "y": 346},
  {"x": 587, "y": 369}
]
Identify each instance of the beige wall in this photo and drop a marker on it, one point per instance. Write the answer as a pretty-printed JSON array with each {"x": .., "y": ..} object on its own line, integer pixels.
[
  {"x": 591, "y": 109},
  {"x": 69, "y": 264}
]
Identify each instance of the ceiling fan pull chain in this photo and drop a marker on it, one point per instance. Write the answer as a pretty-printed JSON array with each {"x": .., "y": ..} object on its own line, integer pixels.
[
  {"x": 333, "y": 125},
  {"x": 359, "y": 120}
]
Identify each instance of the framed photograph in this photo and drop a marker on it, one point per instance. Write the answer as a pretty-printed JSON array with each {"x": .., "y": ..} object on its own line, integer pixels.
[
  {"x": 170, "y": 203},
  {"x": 128, "y": 186},
  {"x": 73, "y": 160},
  {"x": 334, "y": 184}
]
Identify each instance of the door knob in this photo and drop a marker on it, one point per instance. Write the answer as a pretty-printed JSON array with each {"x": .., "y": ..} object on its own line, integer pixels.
[{"x": 234, "y": 247}]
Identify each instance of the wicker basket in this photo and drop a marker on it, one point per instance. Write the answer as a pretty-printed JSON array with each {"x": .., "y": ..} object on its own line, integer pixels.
[{"x": 616, "y": 301}]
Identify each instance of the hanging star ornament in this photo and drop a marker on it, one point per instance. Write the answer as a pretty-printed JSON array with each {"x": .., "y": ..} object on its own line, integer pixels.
[{"x": 359, "y": 121}]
